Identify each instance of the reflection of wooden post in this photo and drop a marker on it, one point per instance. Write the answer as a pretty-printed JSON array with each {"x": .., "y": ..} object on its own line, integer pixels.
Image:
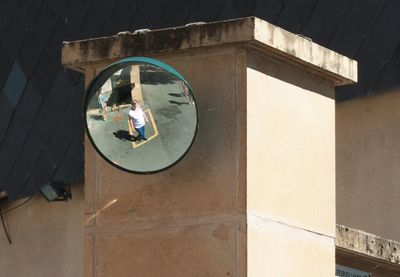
[{"x": 137, "y": 90}]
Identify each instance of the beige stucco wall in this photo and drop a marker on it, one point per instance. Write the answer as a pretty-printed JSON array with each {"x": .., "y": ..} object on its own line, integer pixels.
[
  {"x": 290, "y": 171},
  {"x": 278, "y": 249},
  {"x": 47, "y": 238},
  {"x": 368, "y": 164},
  {"x": 189, "y": 219}
]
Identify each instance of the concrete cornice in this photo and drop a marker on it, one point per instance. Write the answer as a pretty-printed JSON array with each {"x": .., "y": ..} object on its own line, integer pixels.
[
  {"x": 248, "y": 32},
  {"x": 341, "y": 69}
]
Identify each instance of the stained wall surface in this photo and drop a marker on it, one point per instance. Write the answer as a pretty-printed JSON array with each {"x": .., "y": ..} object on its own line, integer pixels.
[
  {"x": 368, "y": 164},
  {"x": 47, "y": 238}
]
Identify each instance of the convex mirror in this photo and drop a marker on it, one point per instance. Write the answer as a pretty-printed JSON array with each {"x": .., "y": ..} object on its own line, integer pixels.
[{"x": 140, "y": 115}]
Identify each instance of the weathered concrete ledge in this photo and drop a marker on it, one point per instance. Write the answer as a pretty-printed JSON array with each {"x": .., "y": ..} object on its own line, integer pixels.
[
  {"x": 367, "y": 244},
  {"x": 249, "y": 32}
]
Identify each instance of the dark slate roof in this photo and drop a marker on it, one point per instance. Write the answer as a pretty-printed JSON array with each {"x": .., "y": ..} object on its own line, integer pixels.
[{"x": 41, "y": 130}]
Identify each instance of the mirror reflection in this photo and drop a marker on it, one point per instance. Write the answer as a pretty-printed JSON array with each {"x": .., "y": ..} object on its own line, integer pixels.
[{"x": 140, "y": 117}]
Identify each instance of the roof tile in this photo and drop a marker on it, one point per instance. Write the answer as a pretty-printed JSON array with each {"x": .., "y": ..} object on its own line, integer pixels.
[
  {"x": 347, "y": 39},
  {"x": 14, "y": 36},
  {"x": 68, "y": 170},
  {"x": 363, "y": 14},
  {"x": 8, "y": 9},
  {"x": 26, "y": 162},
  {"x": 27, "y": 10},
  {"x": 324, "y": 20},
  {"x": 93, "y": 20},
  {"x": 268, "y": 10},
  {"x": 295, "y": 14},
  {"x": 6, "y": 112},
  {"x": 59, "y": 142},
  {"x": 389, "y": 33},
  {"x": 370, "y": 64},
  {"x": 43, "y": 172},
  {"x": 71, "y": 12},
  {"x": 29, "y": 104},
  {"x": 121, "y": 17},
  {"x": 6, "y": 63},
  {"x": 53, "y": 107},
  {"x": 15, "y": 84},
  {"x": 7, "y": 158},
  {"x": 206, "y": 10},
  {"x": 176, "y": 13},
  {"x": 45, "y": 71},
  {"x": 29, "y": 54},
  {"x": 11, "y": 146},
  {"x": 150, "y": 15},
  {"x": 61, "y": 33},
  {"x": 389, "y": 76},
  {"x": 74, "y": 110},
  {"x": 44, "y": 24}
]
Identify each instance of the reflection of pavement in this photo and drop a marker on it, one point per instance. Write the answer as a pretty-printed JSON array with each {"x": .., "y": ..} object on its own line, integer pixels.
[{"x": 171, "y": 116}]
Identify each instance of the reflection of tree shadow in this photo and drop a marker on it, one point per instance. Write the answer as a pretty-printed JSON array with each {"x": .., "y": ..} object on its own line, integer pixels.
[
  {"x": 178, "y": 103},
  {"x": 176, "y": 94},
  {"x": 125, "y": 136},
  {"x": 96, "y": 116}
]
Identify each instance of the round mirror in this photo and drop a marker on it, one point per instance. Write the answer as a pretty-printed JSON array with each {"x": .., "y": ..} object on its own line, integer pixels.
[{"x": 140, "y": 115}]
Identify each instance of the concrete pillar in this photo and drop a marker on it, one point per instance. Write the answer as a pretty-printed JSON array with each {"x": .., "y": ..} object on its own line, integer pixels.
[{"x": 255, "y": 196}]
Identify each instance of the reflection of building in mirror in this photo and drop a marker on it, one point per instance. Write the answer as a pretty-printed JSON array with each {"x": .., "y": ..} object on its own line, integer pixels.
[{"x": 121, "y": 88}]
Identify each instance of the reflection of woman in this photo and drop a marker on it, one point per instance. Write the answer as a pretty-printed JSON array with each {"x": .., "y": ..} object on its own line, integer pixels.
[
  {"x": 103, "y": 104},
  {"x": 138, "y": 119}
]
